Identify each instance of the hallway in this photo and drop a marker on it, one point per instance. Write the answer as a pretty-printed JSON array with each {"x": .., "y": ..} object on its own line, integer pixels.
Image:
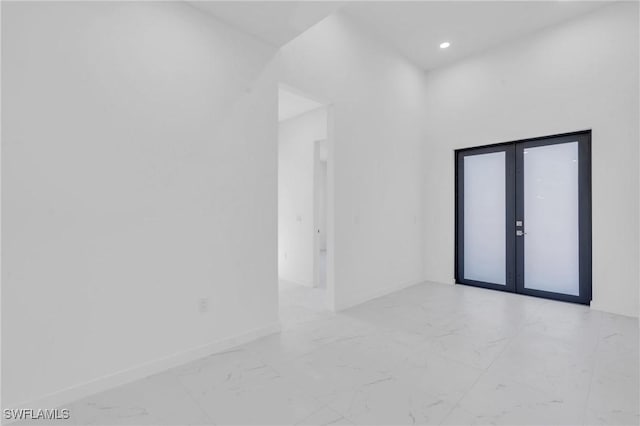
[{"x": 300, "y": 303}]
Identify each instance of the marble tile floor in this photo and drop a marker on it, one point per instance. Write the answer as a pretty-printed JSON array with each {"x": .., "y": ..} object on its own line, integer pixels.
[
  {"x": 300, "y": 303},
  {"x": 430, "y": 354}
]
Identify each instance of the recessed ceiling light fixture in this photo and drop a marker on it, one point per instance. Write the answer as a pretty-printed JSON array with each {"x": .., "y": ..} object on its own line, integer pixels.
[{"x": 444, "y": 45}]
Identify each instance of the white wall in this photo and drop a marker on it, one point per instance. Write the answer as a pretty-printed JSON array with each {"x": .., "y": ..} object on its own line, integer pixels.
[
  {"x": 579, "y": 75},
  {"x": 375, "y": 139},
  {"x": 132, "y": 186},
  {"x": 296, "y": 232}
]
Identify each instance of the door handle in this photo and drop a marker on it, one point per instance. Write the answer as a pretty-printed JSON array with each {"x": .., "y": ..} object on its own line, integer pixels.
[{"x": 520, "y": 233}]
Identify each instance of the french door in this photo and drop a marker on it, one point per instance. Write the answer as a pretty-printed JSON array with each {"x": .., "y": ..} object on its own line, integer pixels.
[{"x": 523, "y": 217}]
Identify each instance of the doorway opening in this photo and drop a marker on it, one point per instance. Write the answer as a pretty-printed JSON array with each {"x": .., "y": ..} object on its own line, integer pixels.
[
  {"x": 523, "y": 217},
  {"x": 304, "y": 205}
]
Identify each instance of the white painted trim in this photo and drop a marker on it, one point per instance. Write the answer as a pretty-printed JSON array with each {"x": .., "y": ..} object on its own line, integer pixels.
[
  {"x": 362, "y": 297},
  {"x": 597, "y": 307},
  {"x": 73, "y": 393},
  {"x": 295, "y": 91},
  {"x": 292, "y": 282},
  {"x": 593, "y": 305},
  {"x": 331, "y": 210}
]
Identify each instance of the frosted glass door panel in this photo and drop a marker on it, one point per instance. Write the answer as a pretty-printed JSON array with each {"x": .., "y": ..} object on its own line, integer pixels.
[
  {"x": 551, "y": 255},
  {"x": 484, "y": 218}
]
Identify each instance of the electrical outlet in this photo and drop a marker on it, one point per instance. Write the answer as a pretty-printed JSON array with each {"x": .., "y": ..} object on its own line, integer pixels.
[{"x": 203, "y": 305}]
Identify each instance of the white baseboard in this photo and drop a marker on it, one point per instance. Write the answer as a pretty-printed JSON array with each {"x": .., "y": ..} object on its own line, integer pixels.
[
  {"x": 597, "y": 307},
  {"x": 441, "y": 280},
  {"x": 593, "y": 305},
  {"x": 304, "y": 284},
  {"x": 363, "y": 297},
  {"x": 71, "y": 394}
]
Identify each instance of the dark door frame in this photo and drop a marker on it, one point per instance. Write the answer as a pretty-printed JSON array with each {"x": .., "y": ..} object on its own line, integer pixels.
[
  {"x": 510, "y": 216},
  {"x": 515, "y": 211}
]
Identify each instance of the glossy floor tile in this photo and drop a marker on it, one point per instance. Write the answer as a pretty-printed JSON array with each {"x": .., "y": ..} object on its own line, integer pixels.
[{"x": 430, "y": 354}]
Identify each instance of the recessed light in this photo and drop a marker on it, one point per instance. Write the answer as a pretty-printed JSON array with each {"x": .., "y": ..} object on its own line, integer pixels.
[{"x": 444, "y": 45}]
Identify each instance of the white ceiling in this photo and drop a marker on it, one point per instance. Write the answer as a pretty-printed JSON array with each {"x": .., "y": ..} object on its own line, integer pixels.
[
  {"x": 276, "y": 22},
  {"x": 292, "y": 104},
  {"x": 417, "y": 28}
]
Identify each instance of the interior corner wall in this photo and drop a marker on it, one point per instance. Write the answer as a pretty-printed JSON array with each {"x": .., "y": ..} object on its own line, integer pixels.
[
  {"x": 377, "y": 103},
  {"x": 132, "y": 187},
  {"x": 296, "y": 230},
  {"x": 582, "y": 74}
]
